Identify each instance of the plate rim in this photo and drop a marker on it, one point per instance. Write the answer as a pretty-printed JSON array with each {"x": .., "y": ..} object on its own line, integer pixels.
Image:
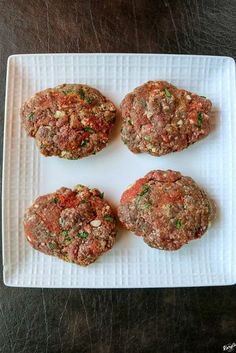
[{"x": 6, "y": 281}]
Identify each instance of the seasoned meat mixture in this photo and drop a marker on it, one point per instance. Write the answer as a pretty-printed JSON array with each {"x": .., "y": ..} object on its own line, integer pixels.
[
  {"x": 166, "y": 209},
  {"x": 159, "y": 118},
  {"x": 75, "y": 225},
  {"x": 70, "y": 121}
]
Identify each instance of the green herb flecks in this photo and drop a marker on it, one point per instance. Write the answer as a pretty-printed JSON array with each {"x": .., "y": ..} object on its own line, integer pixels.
[
  {"x": 81, "y": 93},
  {"x": 88, "y": 99},
  {"x": 83, "y": 143},
  {"x": 178, "y": 224},
  {"x": 83, "y": 96},
  {"x": 129, "y": 122},
  {"x": 203, "y": 96},
  {"x": 65, "y": 233},
  {"x": 55, "y": 200},
  {"x": 79, "y": 187},
  {"x": 109, "y": 218},
  {"x": 88, "y": 129},
  {"x": 30, "y": 116},
  {"x": 83, "y": 234},
  {"x": 143, "y": 227},
  {"x": 69, "y": 91},
  {"x": 101, "y": 195},
  {"x": 200, "y": 119},
  {"x": 147, "y": 205},
  {"x": 60, "y": 221},
  {"x": 143, "y": 103},
  {"x": 52, "y": 245},
  {"x": 147, "y": 138},
  {"x": 167, "y": 92},
  {"x": 68, "y": 239},
  {"x": 145, "y": 189}
]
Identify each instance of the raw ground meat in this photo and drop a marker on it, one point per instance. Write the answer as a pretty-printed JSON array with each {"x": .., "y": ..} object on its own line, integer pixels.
[
  {"x": 70, "y": 121},
  {"x": 159, "y": 118},
  {"x": 167, "y": 209},
  {"x": 75, "y": 225}
]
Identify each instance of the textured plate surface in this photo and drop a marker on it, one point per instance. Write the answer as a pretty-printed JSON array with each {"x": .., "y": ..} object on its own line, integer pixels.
[{"x": 131, "y": 263}]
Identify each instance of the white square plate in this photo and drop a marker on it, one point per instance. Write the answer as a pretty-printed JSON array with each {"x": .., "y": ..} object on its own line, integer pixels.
[{"x": 211, "y": 162}]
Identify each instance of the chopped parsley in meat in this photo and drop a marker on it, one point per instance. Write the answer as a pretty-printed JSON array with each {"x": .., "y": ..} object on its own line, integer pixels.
[
  {"x": 143, "y": 103},
  {"x": 60, "y": 221},
  {"x": 101, "y": 195},
  {"x": 74, "y": 227},
  {"x": 84, "y": 143},
  {"x": 145, "y": 189},
  {"x": 147, "y": 205},
  {"x": 109, "y": 218},
  {"x": 199, "y": 119},
  {"x": 170, "y": 118},
  {"x": 89, "y": 100},
  {"x": 178, "y": 224},
  {"x": 85, "y": 97},
  {"x": 52, "y": 245},
  {"x": 167, "y": 92},
  {"x": 30, "y": 116},
  {"x": 88, "y": 129},
  {"x": 82, "y": 234},
  {"x": 81, "y": 93},
  {"x": 169, "y": 210},
  {"x": 65, "y": 119},
  {"x": 69, "y": 91}
]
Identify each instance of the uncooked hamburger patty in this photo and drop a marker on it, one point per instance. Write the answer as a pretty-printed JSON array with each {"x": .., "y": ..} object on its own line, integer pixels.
[
  {"x": 75, "y": 225},
  {"x": 159, "y": 118},
  {"x": 70, "y": 121},
  {"x": 166, "y": 209}
]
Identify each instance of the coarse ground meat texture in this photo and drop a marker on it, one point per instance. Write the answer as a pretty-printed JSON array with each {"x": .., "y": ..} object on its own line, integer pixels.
[
  {"x": 75, "y": 225},
  {"x": 70, "y": 121},
  {"x": 159, "y": 118},
  {"x": 166, "y": 209}
]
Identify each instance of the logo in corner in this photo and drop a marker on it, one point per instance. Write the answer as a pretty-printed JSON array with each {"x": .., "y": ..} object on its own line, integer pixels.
[{"x": 229, "y": 347}]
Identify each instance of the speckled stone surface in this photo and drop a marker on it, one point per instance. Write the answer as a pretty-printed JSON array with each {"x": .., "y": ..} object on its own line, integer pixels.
[{"x": 185, "y": 320}]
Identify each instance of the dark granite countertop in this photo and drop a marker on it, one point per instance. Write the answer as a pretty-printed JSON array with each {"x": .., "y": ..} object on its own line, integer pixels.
[{"x": 185, "y": 320}]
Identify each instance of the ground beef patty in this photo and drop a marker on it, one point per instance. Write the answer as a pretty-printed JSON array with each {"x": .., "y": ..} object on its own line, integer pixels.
[
  {"x": 166, "y": 209},
  {"x": 70, "y": 121},
  {"x": 159, "y": 118},
  {"x": 77, "y": 226}
]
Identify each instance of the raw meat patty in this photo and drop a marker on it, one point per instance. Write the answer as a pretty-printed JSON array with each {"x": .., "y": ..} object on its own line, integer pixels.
[
  {"x": 166, "y": 209},
  {"x": 70, "y": 121},
  {"x": 75, "y": 225},
  {"x": 159, "y": 118}
]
